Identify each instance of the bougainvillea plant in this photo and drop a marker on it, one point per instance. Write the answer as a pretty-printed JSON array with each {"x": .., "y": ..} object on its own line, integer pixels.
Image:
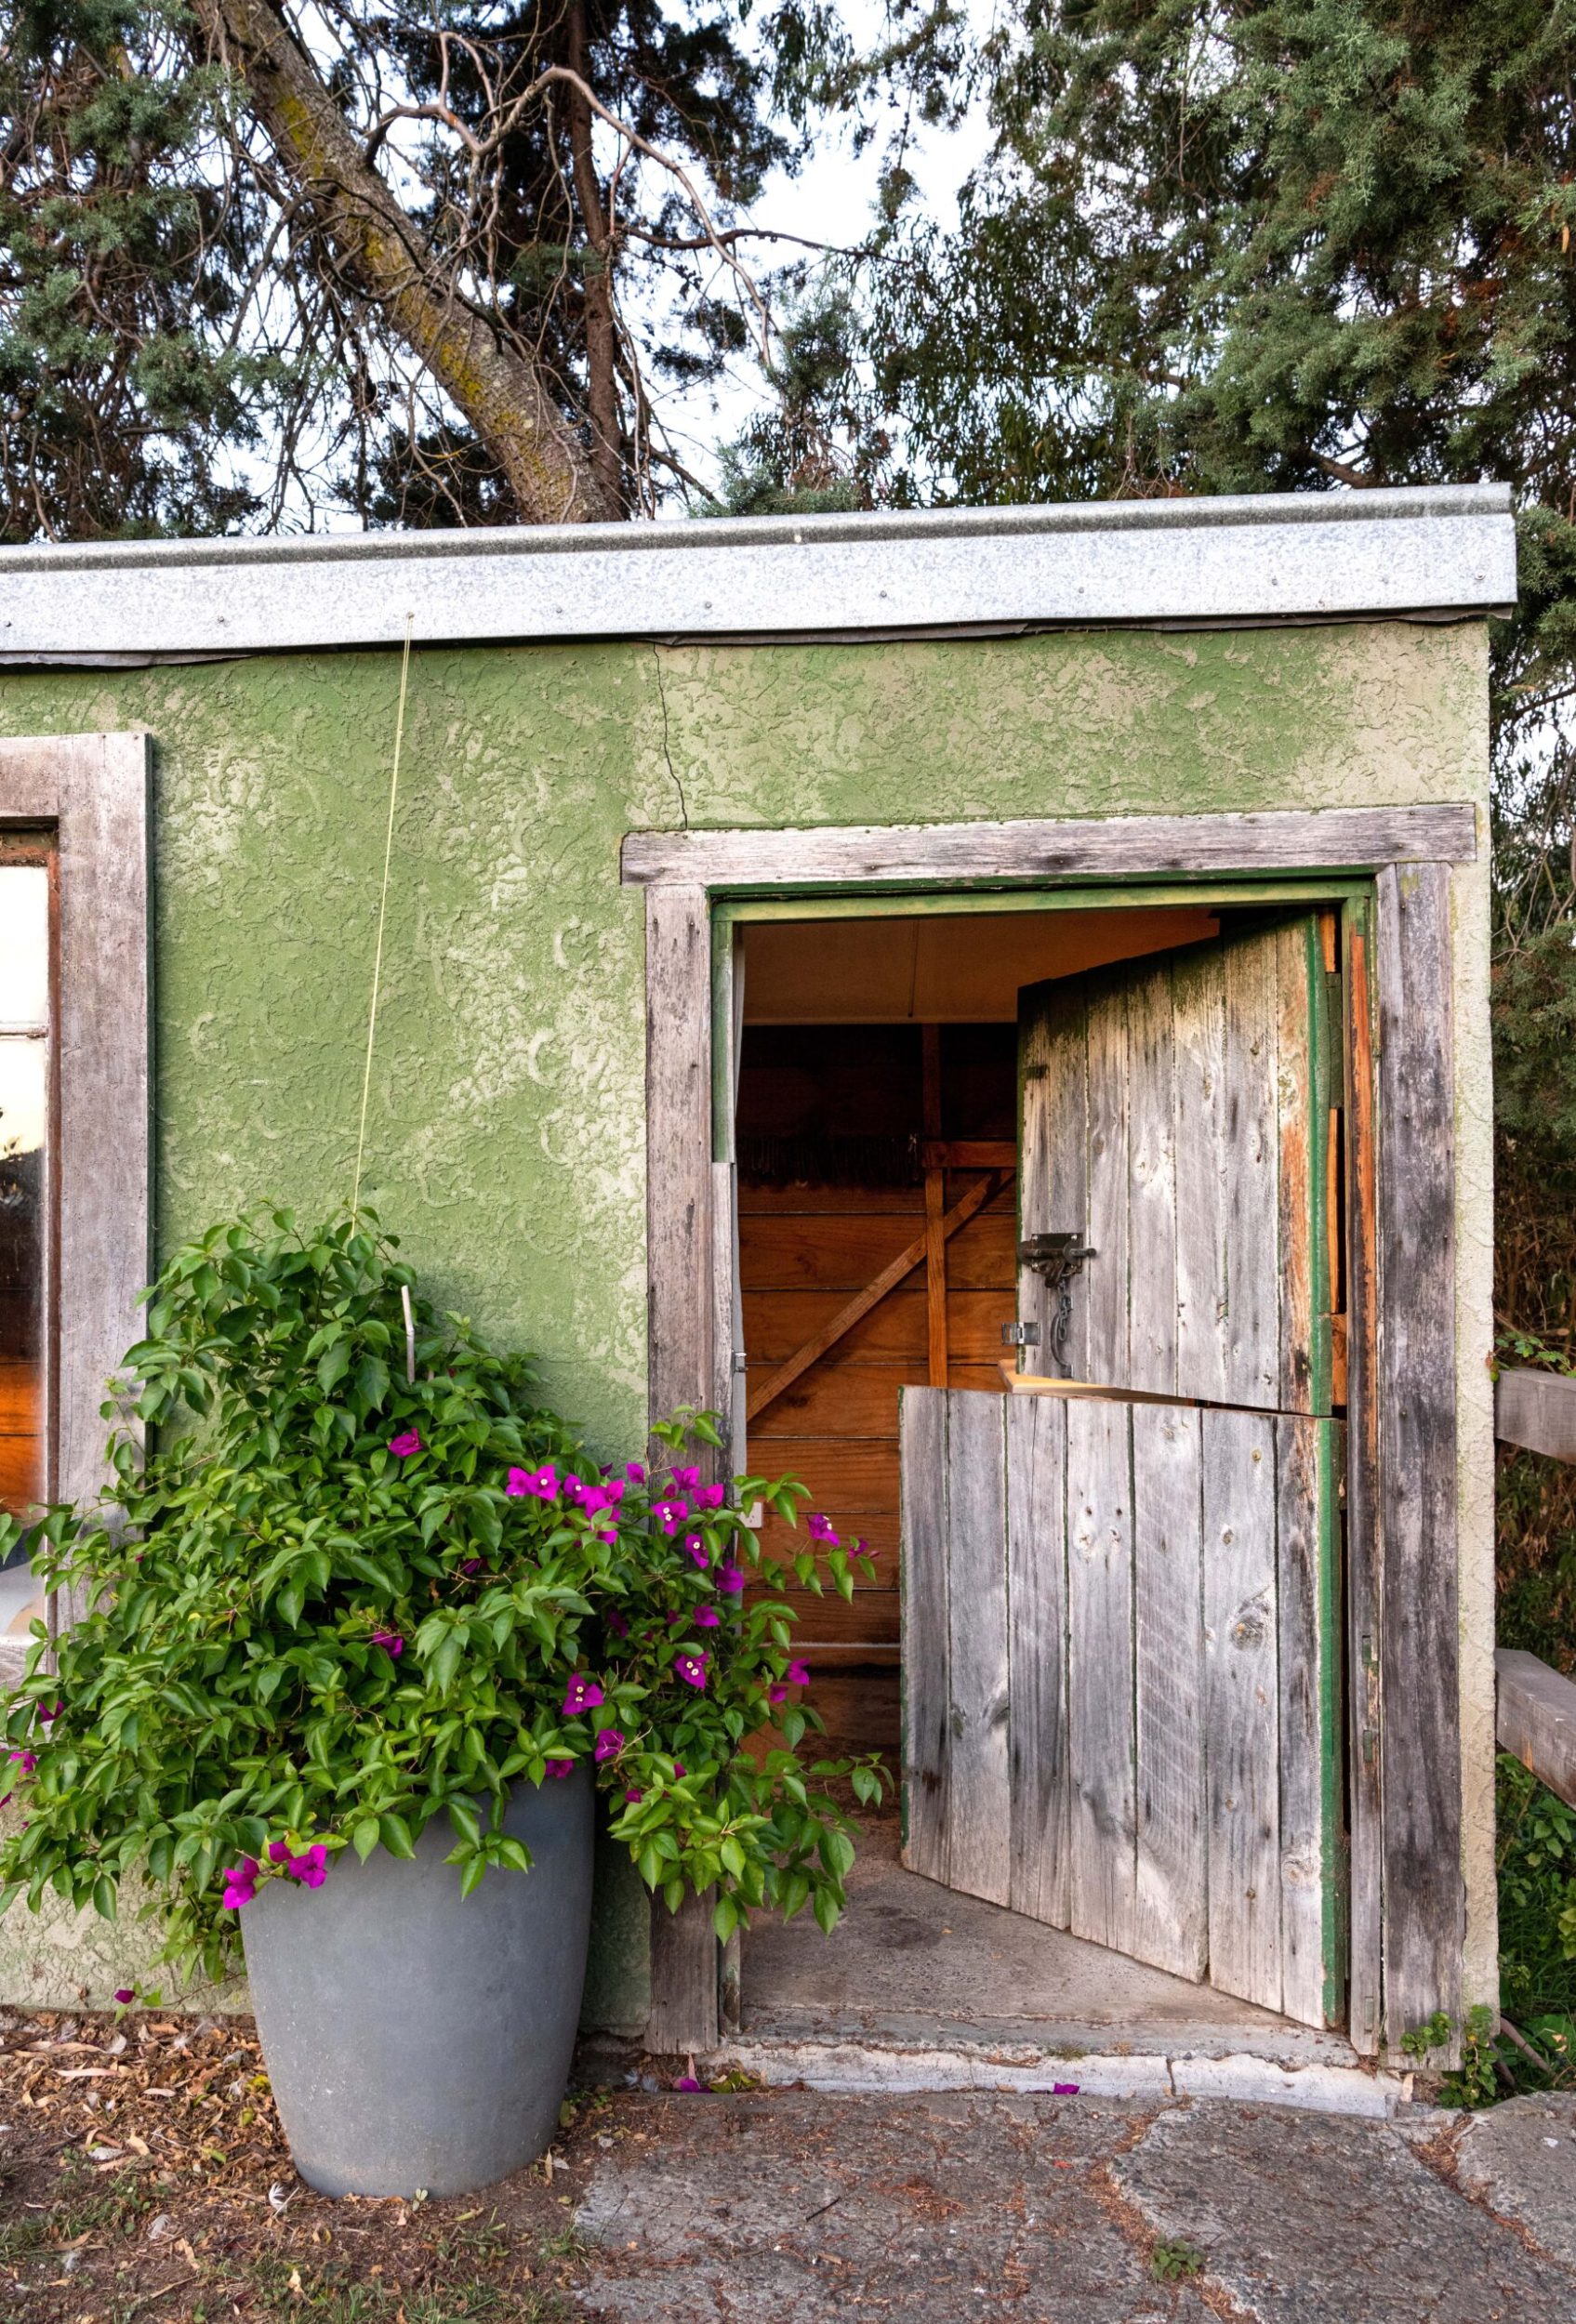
[{"x": 333, "y": 1601}]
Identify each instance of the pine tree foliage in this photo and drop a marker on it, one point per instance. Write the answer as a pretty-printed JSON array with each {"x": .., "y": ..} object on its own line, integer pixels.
[
  {"x": 1238, "y": 246},
  {"x": 200, "y": 329},
  {"x": 127, "y": 404}
]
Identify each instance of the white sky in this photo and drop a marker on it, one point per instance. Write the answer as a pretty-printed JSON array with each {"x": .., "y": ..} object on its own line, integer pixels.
[{"x": 831, "y": 199}]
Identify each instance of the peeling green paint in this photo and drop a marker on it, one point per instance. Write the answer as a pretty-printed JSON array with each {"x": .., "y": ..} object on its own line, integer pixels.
[{"x": 506, "y": 1138}]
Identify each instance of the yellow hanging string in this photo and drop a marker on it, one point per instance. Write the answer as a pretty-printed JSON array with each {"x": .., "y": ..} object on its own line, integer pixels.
[{"x": 382, "y": 917}]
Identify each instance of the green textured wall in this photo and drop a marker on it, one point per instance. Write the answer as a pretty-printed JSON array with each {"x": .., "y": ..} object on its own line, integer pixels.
[{"x": 506, "y": 1138}]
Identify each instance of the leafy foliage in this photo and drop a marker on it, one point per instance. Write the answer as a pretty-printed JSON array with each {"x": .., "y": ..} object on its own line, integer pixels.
[
  {"x": 1536, "y": 1854},
  {"x": 1534, "y": 2045},
  {"x": 334, "y": 1603},
  {"x": 1274, "y": 244}
]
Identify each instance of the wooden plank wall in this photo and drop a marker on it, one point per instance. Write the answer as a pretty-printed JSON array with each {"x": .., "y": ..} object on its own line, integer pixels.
[
  {"x": 1121, "y": 1713},
  {"x": 804, "y": 1250},
  {"x": 1166, "y": 1114}
]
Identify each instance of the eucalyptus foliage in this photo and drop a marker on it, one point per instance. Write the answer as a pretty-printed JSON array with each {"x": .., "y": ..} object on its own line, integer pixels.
[{"x": 331, "y": 1603}]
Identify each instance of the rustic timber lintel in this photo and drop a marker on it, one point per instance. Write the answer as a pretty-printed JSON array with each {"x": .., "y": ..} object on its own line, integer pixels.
[{"x": 973, "y": 854}]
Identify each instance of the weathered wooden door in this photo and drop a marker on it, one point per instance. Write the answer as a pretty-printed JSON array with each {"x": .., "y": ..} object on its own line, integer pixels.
[{"x": 1119, "y": 1609}]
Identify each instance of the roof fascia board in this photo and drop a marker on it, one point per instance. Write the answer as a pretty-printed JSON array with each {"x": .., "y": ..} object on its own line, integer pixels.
[{"x": 1429, "y": 552}]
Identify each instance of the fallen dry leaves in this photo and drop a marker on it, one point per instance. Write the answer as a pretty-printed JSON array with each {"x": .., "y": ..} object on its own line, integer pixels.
[{"x": 143, "y": 2175}]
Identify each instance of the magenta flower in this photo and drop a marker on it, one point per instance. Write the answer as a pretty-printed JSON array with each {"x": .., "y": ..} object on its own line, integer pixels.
[
  {"x": 1063, "y": 2090},
  {"x": 240, "y": 1883},
  {"x": 533, "y": 1483},
  {"x": 863, "y": 1549},
  {"x": 670, "y": 1515},
  {"x": 26, "y": 1761},
  {"x": 572, "y": 1490},
  {"x": 279, "y": 1852},
  {"x": 472, "y": 1565},
  {"x": 688, "y": 2082},
  {"x": 707, "y": 1618},
  {"x": 616, "y": 1624},
  {"x": 391, "y": 1643},
  {"x": 634, "y": 1795},
  {"x": 407, "y": 1442},
  {"x": 559, "y": 1767},
  {"x": 607, "y": 1536},
  {"x": 311, "y": 1868},
  {"x": 609, "y": 1743},
  {"x": 709, "y": 1496},
  {"x": 692, "y": 1670},
  {"x": 635, "y": 1473},
  {"x": 687, "y": 1479},
  {"x": 798, "y": 1673},
  {"x": 679, "y": 1769},
  {"x": 612, "y": 1490},
  {"x": 699, "y": 1554},
  {"x": 731, "y": 1579},
  {"x": 592, "y": 1499},
  {"x": 583, "y": 1695},
  {"x": 124, "y": 1994},
  {"x": 820, "y": 1530},
  {"x": 777, "y": 1694}
]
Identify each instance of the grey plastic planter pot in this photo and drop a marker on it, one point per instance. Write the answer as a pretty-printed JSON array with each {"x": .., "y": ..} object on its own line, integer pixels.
[{"x": 417, "y": 2039}]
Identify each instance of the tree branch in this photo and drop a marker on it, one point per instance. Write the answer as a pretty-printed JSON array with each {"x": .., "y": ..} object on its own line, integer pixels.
[{"x": 382, "y": 253}]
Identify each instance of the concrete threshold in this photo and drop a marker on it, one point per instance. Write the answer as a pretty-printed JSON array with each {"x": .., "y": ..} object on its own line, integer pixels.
[
  {"x": 920, "y": 1987},
  {"x": 829, "y": 2063}
]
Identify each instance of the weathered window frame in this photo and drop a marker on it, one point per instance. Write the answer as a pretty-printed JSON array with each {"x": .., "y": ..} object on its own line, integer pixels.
[
  {"x": 1406, "y": 1906},
  {"x": 91, "y": 793}
]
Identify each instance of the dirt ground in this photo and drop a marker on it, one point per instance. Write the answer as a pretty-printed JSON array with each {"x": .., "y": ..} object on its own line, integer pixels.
[{"x": 143, "y": 2176}]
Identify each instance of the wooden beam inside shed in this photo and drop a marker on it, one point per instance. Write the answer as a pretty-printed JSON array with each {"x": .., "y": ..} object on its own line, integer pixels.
[{"x": 936, "y": 1206}]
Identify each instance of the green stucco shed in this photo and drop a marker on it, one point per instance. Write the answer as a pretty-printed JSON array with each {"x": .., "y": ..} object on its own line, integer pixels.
[{"x": 607, "y": 729}]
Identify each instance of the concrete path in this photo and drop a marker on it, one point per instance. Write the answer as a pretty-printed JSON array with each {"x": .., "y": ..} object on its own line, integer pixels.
[{"x": 789, "y": 2207}]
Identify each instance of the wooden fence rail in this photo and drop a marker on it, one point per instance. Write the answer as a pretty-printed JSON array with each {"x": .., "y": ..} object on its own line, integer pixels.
[{"x": 1536, "y": 1706}]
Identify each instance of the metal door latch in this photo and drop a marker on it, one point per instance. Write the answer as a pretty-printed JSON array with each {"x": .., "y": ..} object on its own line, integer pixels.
[{"x": 1057, "y": 1259}]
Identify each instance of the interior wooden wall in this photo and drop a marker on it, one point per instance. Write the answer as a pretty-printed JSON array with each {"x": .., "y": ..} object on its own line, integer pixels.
[
  {"x": 804, "y": 1250},
  {"x": 20, "y": 1446}
]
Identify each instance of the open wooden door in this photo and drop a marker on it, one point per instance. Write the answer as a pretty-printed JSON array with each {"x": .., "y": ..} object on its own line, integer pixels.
[{"x": 1119, "y": 1606}]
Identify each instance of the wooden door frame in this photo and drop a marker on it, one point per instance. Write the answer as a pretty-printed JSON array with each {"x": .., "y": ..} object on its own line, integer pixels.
[
  {"x": 90, "y": 793},
  {"x": 1406, "y": 1900}
]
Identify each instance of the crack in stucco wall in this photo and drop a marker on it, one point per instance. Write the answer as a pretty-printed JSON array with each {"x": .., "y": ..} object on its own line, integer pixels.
[{"x": 666, "y": 738}]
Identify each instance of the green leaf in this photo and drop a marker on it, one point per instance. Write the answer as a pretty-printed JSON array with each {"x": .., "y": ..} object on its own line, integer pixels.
[
  {"x": 104, "y": 1897},
  {"x": 445, "y": 1661},
  {"x": 472, "y": 1878},
  {"x": 394, "y": 1833},
  {"x": 465, "y": 1821},
  {"x": 363, "y": 1837}
]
